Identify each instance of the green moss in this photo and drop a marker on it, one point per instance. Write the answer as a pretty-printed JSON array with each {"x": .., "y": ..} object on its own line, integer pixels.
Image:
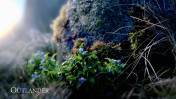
[
  {"x": 80, "y": 42},
  {"x": 135, "y": 39},
  {"x": 140, "y": 39},
  {"x": 59, "y": 23},
  {"x": 105, "y": 50},
  {"x": 60, "y": 20},
  {"x": 99, "y": 22}
]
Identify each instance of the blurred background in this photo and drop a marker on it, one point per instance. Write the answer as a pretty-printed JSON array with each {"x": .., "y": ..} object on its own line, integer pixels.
[{"x": 25, "y": 28}]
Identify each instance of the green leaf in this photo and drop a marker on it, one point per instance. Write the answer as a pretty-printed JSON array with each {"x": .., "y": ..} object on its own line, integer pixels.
[
  {"x": 122, "y": 65},
  {"x": 78, "y": 57},
  {"x": 92, "y": 80},
  {"x": 71, "y": 78},
  {"x": 64, "y": 67},
  {"x": 79, "y": 73},
  {"x": 53, "y": 56},
  {"x": 78, "y": 86},
  {"x": 47, "y": 56}
]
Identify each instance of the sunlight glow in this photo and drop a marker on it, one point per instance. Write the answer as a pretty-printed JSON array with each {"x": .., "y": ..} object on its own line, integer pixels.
[{"x": 9, "y": 16}]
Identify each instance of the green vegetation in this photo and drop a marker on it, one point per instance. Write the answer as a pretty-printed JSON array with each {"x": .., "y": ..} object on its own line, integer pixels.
[
  {"x": 106, "y": 50},
  {"x": 143, "y": 67},
  {"x": 140, "y": 39},
  {"x": 59, "y": 23},
  {"x": 83, "y": 70},
  {"x": 79, "y": 42},
  {"x": 99, "y": 22}
]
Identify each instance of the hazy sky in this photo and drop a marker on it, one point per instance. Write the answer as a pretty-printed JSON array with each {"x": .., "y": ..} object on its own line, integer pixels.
[
  {"x": 20, "y": 4},
  {"x": 11, "y": 12}
]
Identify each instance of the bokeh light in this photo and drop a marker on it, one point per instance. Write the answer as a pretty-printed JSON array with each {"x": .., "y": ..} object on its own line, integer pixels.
[{"x": 10, "y": 14}]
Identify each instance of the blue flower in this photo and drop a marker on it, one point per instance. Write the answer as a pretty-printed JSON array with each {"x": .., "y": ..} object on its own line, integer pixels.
[
  {"x": 118, "y": 61},
  {"x": 81, "y": 49},
  {"x": 42, "y": 53},
  {"x": 35, "y": 55},
  {"x": 83, "y": 53},
  {"x": 53, "y": 60},
  {"x": 31, "y": 61},
  {"x": 81, "y": 80},
  {"x": 35, "y": 73},
  {"x": 43, "y": 61},
  {"x": 90, "y": 67},
  {"x": 38, "y": 53},
  {"x": 107, "y": 94},
  {"x": 34, "y": 76},
  {"x": 110, "y": 70},
  {"x": 73, "y": 59},
  {"x": 96, "y": 75},
  {"x": 61, "y": 77},
  {"x": 114, "y": 60},
  {"x": 41, "y": 67},
  {"x": 42, "y": 57}
]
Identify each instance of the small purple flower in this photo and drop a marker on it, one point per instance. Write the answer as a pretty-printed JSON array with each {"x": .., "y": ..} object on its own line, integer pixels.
[
  {"x": 114, "y": 60},
  {"x": 81, "y": 49},
  {"x": 34, "y": 76},
  {"x": 73, "y": 59},
  {"x": 90, "y": 67},
  {"x": 35, "y": 73},
  {"x": 53, "y": 60},
  {"x": 96, "y": 75},
  {"x": 42, "y": 57},
  {"x": 118, "y": 61},
  {"x": 31, "y": 61},
  {"x": 43, "y": 60},
  {"x": 83, "y": 53},
  {"x": 107, "y": 94},
  {"x": 41, "y": 67},
  {"x": 35, "y": 55},
  {"x": 38, "y": 52},
  {"x": 81, "y": 80},
  {"x": 110, "y": 70},
  {"x": 42, "y": 53},
  {"x": 61, "y": 77}
]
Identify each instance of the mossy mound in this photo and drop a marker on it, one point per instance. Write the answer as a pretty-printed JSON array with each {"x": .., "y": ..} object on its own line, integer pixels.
[
  {"x": 59, "y": 24},
  {"x": 80, "y": 42},
  {"x": 105, "y": 50}
]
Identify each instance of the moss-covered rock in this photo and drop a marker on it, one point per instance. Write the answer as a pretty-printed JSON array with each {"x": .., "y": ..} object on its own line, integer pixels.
[{"x": 106, "y": 20}]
